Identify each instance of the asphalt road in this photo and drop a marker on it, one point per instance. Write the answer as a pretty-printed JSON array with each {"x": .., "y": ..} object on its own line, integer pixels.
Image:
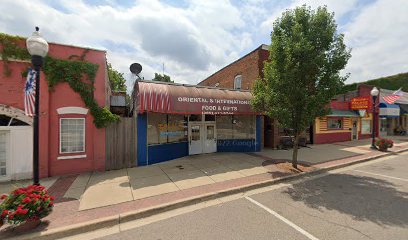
[{"x": 364, "y": 202}]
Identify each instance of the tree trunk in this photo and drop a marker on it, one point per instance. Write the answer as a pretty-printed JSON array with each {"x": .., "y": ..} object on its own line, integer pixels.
[{"x": 295, "y": 150}]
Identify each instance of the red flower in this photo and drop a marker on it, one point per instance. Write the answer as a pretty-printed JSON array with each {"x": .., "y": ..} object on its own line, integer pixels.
[
  {"x": 51, "y": 204},
  {"x": 4, "y": 196},
  {"x": 5, "y": 212},
  {"x": 26, "y": 200},
  {"x": 52, "y": 198},
  {"x": 10, "y": 217}
]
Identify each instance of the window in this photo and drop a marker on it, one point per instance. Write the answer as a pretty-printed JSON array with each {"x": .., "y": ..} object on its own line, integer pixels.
[
  {"x": 236, "y": 127},
  {"x": 334, "y": 123},
  {"x": 237, "y": 82},
  {"x": 72, "y": 135},
  {"x": 163, "y": 128},
  {"x": 365, "y": 126}
]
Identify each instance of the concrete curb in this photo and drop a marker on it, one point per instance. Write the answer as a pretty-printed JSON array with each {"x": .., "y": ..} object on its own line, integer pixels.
[{"x": 139, "y": 214}]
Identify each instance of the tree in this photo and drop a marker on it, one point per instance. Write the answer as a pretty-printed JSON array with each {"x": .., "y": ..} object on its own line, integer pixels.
[
  {"x": 116, "y": 79},
  {"x": 162, "y": 78},
  {"x": 303, "y": 71}
]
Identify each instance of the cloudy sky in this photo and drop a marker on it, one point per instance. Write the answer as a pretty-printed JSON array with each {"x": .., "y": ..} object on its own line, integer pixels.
[{"x": 193, "y": 39}]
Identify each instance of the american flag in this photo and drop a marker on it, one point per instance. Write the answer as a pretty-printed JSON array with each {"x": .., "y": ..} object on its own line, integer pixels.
[
  {"x": 29, "y": 90},
  {"x": 390, "y": 99}
]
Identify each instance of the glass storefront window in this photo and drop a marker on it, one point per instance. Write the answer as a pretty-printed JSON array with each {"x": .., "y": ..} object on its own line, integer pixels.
[
  {"x": 365, "y": 126},
  {"x": 236, "y": 127},
  {"x": 163, "y": 128},
  {"x": 224, "y": 127},
  {"x": 243, "y": 127}
]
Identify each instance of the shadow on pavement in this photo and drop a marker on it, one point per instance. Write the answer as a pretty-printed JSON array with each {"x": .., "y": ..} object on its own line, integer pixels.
[{"x": 363, "y": 198}]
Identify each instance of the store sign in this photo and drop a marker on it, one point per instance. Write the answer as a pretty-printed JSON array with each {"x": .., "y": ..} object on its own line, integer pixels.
[
  {"x": 179, "y": 99},
  {"x": 360, "y": 103},
  {"x": 216, "y": 106}
]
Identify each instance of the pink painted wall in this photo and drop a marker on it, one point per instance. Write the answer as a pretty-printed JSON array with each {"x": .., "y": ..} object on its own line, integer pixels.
[{"x": 12, "y": 94}]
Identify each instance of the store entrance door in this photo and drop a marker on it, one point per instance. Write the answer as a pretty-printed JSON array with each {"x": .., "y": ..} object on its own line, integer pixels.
[
  {"x": 210, "y": 141},
  {"x": 202, "y": 138},
  {"x": 195, "y": 138},
  {"x": 354, "y": 135}
]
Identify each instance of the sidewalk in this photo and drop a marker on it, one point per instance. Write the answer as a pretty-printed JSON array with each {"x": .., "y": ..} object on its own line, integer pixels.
[{"x": 110, "y": 196}]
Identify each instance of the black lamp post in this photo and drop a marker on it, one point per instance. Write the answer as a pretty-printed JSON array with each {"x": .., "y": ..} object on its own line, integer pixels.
[
  {"x": 374, "y": 93},
  {"x": 38, "y": 49}
]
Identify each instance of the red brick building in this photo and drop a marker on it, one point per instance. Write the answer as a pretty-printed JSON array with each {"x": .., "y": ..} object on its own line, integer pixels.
[
  {"x": 69, "y": 140},
  {"x": 241, "y": 74}
]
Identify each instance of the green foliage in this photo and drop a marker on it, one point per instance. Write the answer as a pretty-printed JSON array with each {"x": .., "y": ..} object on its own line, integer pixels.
[
  {"x": 162, "y": 78},
  {"x": 79, "y": 74},
  {"x": 393, "y": 82},
  {"x": 11, "y": 50},
  {"x": 116, "y": 79},
  {"x": 302, "y": 74}
]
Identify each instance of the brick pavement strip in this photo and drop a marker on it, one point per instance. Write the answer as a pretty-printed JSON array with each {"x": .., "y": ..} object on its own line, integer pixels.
[{"x": 66, "y": 220}]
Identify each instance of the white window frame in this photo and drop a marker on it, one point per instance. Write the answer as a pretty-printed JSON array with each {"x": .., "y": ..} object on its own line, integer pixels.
[
  {"x": 60, "y": 137},
  {"x": 237, "y": 79}
]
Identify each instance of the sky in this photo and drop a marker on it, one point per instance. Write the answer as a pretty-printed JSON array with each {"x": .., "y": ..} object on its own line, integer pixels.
[{"x": 190, "y": 40}]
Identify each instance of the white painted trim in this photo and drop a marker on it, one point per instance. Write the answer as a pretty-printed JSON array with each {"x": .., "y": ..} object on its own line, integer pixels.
[
  {"x": 15, "y": 113},
  {"x": 60, "y": 152},
  {"x": 72, "y": 110},
  {"x": 71, "y": 157}
]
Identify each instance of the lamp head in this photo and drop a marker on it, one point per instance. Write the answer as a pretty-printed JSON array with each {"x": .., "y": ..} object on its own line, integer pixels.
[
  {"x": 36, "y": 45},
  {"x": 374, "y": 92}
]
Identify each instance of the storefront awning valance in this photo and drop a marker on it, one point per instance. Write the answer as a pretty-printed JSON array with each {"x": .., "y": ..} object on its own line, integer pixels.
[
  {"x": 188, "y": 99},
  {"x": 389, "y": 110},
  {"x": 342, "y": 113}
]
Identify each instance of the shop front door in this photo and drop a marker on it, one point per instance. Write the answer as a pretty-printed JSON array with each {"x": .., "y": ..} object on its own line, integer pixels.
[
  {"x": 195, "y": 138},
  {"x": 383, "y": 127},
  {"x": 4, "y": 149},
  {"x": 202, "y": 138},
  {"x": 354, "y": 135},
  {"x": 210, "y": 141}
]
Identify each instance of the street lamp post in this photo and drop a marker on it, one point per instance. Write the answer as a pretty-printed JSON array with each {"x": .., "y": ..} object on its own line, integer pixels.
[
  {"x": 38, "y": 49},
  {"x": 374, "y": 93}
]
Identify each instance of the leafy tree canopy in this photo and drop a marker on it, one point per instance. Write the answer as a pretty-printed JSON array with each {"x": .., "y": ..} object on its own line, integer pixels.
[
  {"x": 162, "y": 78},
  {"x": 303, "y": 71},
  {"x": 117, "y": 81}
]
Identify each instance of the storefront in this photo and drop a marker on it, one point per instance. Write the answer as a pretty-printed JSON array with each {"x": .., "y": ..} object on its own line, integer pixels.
[
  {"x": 176, "y": 120},
  {"x": 389, "y": 118}
]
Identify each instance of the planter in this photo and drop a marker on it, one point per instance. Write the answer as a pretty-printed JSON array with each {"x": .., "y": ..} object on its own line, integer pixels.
[
  {"x": 383, "y": 149},
  {"x": 27, "y": 226}
]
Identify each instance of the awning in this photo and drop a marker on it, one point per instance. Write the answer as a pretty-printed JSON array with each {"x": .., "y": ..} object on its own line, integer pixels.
[
  {"x": 342, "y": 113},
  {"x": 173, "y": 98},
  {"x": 389, "y": 110}
]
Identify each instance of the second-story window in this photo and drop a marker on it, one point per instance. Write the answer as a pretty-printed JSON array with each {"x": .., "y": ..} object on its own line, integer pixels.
[{"x": 237, "y": 82}]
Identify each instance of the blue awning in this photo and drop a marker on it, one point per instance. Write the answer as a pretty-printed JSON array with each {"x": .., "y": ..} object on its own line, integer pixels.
[{"x": 389, "y": 110}]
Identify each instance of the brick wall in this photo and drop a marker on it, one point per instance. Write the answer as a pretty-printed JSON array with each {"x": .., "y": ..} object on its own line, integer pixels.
[{"x": 249, "y": 67}]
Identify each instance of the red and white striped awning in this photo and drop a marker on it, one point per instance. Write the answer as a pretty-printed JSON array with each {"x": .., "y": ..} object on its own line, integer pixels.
[{"x": 169, "y": 98}]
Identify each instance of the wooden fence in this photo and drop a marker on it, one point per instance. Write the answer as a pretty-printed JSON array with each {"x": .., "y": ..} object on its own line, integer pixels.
[{"x": 121, "y": 144}]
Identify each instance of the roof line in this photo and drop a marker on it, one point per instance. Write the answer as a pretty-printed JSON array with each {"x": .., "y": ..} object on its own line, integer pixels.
[
  {"x": 262, "y": 46},
  {"x": 190, "y": 85}
]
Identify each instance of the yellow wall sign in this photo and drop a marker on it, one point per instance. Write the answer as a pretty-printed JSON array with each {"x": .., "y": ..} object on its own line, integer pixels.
[{"x": 360, "y": 103}]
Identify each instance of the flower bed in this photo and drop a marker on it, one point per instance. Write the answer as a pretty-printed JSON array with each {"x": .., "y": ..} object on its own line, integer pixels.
[{"x": 26, "y": 204}]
